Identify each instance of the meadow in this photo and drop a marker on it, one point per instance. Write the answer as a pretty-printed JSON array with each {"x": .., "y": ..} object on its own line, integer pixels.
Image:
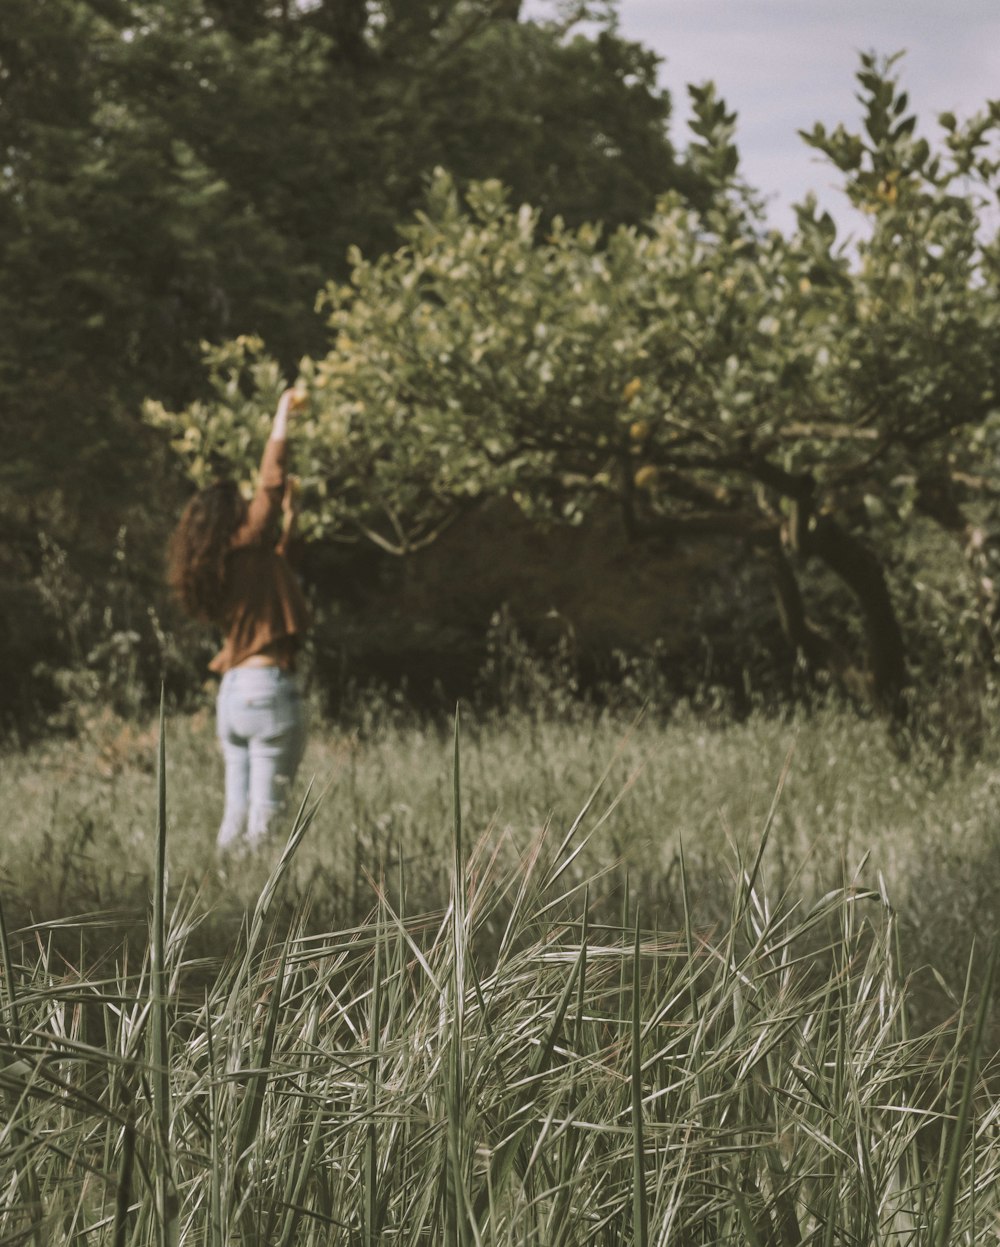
[{"x": 582, "y": 979}]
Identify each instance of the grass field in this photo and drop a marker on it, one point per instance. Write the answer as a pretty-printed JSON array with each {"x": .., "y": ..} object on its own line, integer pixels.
[
  {"x": 79, "y": 827},
  {"x": 667, "y": 1003}
]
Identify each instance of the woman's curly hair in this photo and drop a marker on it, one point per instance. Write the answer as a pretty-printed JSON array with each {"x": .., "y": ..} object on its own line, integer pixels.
[{"x": 196, "y": 563}]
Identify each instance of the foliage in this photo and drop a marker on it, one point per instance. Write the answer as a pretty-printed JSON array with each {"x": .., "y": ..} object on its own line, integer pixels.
[
  {"x": 699, "y": 374},
  {"x": 180, "y": 171}
]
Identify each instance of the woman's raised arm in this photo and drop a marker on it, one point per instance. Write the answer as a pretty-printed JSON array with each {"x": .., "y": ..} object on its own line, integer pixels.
[{"x": 271, "y": 483}]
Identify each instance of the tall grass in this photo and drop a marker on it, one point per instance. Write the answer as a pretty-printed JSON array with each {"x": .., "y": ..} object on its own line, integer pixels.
[
  {"x": 77, "y": 836},
  {"x": 515, "y": 1067}
]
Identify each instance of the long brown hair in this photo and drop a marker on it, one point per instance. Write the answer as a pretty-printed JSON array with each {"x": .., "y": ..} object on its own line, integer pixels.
[{"x": 196, "y": 561}]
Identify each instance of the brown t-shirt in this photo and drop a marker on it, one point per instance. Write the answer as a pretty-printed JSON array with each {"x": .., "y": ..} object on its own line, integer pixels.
[{"x": 263, "y": 605}]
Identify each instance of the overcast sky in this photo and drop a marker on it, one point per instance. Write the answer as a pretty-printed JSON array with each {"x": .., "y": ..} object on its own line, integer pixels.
[{"x": 786, "y": 64}]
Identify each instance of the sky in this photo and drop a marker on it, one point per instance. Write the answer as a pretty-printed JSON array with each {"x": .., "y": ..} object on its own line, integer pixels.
[{"x": 785, "y": 64}]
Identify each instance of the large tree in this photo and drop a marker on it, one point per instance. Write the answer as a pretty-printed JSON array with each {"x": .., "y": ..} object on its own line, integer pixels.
[
  {"x": 807, "y": 397},
  {"x": 180, "y": 171}
]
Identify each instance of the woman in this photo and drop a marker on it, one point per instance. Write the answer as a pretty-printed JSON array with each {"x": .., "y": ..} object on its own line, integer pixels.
[{"x": 227, "y": 569}]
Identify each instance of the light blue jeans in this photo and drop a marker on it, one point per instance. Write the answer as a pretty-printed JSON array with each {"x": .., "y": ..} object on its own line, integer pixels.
[{"x": 261, "y": 726}]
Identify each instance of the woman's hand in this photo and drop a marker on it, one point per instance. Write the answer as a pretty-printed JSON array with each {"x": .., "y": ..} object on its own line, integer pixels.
[{"x": 290, "y": 402}]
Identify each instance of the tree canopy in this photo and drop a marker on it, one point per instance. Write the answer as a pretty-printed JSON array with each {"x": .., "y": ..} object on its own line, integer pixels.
[
  {"x": 809, "y": 396},
  {"x": 183, "y": 170}
]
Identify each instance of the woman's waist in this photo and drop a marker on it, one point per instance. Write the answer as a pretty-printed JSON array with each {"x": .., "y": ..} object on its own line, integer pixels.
[
  {"x": 279, "y": 652},
  {"x": 257, "y": 660}
]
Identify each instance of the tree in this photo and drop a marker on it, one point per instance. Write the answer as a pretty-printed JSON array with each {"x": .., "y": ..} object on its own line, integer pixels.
[
  {"x": 700, "y": 373},
  {"x": 186, "y": 171},
  {"x": 180, "y": 171}
]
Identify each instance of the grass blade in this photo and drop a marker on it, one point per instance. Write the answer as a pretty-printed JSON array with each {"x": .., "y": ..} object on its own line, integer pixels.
[
  {"x": 949, "y": 1194},
  {"x": 166, "y": 1199},
  {"x": 640, "y": 1207}
]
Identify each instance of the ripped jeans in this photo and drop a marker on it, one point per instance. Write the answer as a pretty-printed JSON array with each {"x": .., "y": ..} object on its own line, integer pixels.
[{"x": 261, "y": 727}]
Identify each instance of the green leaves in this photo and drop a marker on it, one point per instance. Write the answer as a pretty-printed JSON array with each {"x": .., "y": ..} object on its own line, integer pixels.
[
  {"x": 225, "y": 435},
  {"x": 489, "y": 356},
  {"x": 716, "y": 156}
]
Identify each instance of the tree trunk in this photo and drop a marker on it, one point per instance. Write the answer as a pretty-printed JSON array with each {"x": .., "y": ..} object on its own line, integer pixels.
[
  {"x": 813, "y": 533},
  {"x": 816, "y": 649},
  {"x": 861, "y": 571}
]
